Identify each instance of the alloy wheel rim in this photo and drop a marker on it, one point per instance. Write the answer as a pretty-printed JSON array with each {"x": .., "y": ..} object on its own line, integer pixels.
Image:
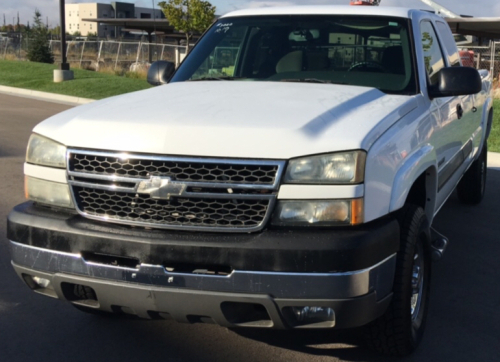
[{"x": 417, "y": 282}]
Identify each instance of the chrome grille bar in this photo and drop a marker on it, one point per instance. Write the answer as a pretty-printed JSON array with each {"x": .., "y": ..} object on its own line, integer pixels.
[
  {"x": 273, "y": 170},
  {"x": 229, "y": 206}
]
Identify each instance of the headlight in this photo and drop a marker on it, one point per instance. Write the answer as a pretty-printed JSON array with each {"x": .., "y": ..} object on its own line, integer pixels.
[
  {"x": 45, "y": 152},
  {"x": 319, "y": 213},
  {"x": 337, "y": 168},
  {"x": 47, "y": 192}
]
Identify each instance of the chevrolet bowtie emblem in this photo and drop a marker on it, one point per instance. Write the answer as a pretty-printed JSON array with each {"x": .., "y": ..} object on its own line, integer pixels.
[{"x": 161, "y": 188}]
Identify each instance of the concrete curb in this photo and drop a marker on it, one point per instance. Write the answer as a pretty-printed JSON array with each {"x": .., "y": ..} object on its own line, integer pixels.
[
  {"x": 494, "y": 160},
  {"x": 44, "y": 96}
]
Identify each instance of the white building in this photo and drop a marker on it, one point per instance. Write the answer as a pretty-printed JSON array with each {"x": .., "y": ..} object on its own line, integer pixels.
[{"x": 116, "y": 10}]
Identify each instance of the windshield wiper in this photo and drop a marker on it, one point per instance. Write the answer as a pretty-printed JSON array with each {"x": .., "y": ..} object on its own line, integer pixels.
[
  {"x": 223, "y": 77},
  {"x": 311, "y": 80}
]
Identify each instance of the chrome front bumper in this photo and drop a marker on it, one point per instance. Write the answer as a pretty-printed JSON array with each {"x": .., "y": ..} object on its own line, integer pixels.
[{"x": 150, "y": 290}]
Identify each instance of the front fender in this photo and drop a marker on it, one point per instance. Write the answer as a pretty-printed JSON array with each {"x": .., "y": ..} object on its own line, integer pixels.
[{"x": 422, "y": 160}]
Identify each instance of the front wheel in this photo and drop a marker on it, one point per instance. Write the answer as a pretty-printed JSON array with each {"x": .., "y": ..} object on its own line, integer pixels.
[
  {"x": 399, "y": 331},
  {"x": 471, "y": 188}
]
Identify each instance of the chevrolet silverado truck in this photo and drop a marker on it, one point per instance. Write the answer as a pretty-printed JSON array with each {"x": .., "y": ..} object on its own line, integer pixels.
[{"x": 285, "y": 176}]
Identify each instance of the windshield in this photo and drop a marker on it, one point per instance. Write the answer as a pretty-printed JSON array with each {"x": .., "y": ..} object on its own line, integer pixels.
[{"x": 356, "y": 50}]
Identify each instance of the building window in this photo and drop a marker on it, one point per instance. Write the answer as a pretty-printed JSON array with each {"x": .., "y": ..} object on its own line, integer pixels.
[{"x": 90, "y": 26}]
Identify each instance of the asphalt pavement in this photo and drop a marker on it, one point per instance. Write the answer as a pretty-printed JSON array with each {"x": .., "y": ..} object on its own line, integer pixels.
[{"x": 463, "y": 323}]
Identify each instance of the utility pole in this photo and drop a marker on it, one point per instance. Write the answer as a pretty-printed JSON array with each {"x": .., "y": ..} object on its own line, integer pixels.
[
  {"x": 20, "y": 36},
  {"x": 63, "y": 73},
  {"x": 62, "y": 12}
]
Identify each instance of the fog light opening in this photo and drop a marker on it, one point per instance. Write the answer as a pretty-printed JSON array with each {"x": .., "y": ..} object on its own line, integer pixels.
[
  {"x": 40, "y": 285},
  {"x": 35, "y": 282},
  {"x": 41, "y": 282},
  {"x": 310, "y": 316}
]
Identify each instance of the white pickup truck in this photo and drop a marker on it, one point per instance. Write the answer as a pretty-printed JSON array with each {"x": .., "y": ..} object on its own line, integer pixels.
[{"x": 286, "y": 176}]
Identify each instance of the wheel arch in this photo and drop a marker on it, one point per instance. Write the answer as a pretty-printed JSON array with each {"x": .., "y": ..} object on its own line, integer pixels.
[{"x": 416, "y": 182}]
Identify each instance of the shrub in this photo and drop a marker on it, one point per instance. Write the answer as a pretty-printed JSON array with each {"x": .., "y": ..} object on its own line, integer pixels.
[{"x": 39, "y": 50}]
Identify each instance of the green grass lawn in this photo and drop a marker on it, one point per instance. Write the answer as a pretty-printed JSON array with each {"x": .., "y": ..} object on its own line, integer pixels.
[
  {"x": 87, "y": 84},
  {"x": 494, "y": 141}
]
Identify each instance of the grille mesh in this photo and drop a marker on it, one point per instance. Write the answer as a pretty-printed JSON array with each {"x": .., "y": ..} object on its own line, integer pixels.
[
  {"x": 196, "y": 212},
  {"x": 177, "y": 170}
]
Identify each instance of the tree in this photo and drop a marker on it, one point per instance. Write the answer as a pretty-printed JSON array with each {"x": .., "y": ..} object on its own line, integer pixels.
[
  {"x": 55, "y": 32},
  {"x": 189, "y": 16},
  {"x": 39, "y": 50}
]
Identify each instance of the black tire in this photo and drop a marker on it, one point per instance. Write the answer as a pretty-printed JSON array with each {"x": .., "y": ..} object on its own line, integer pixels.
[
  {"x": 472, "y": 187},
  {"x": 399, "y": 331}
]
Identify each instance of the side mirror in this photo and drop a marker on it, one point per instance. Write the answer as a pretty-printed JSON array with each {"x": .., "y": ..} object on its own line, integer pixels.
[
  {"x": 160, "y": 72},
  {"x": 456, "y": 81}
]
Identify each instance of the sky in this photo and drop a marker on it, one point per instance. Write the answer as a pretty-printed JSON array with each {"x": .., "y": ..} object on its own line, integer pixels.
[{"x": 49, "y": 8}]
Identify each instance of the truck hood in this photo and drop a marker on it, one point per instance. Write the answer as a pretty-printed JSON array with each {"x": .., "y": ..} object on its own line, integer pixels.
[{"x": 232, "y": 119}]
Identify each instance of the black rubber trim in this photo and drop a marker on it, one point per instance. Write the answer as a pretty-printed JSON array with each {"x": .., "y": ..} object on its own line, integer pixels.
[{"x": 281, "y": 250}]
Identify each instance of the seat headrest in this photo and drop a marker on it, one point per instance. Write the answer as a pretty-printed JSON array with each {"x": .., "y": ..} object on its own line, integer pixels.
[{"x": 292, "y": 62}]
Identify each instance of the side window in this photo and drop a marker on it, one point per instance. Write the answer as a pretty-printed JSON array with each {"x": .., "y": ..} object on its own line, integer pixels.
[
  {"x": 433, "y": 57},
  {"x": 449, "y": 43}
]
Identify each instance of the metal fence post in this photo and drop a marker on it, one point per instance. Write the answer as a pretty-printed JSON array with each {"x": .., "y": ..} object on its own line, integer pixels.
[
  {"x": 138, "y": 53},
  {"x": 5, "y": 50},
  {"x": 83, "y": 49},
  {"x": 162, "y": 51},
  {"x": 118, "y": 54},
  {"x": 99, "y": 56},
  {"x": 493, "y": 51}
]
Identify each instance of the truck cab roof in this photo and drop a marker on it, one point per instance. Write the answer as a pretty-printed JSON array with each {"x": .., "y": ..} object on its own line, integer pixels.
[{"x": 401, "y": 12}]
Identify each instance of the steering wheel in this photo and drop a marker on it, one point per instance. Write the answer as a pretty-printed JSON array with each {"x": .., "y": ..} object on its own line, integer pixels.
[{"x": 367, "y": 67}]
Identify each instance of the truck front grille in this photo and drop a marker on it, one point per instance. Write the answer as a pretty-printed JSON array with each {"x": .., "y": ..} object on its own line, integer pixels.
[
  {"x": 187, "y": 212},
  {"x": 196, "y": 193},
  {"x": 179, "y": 169}
]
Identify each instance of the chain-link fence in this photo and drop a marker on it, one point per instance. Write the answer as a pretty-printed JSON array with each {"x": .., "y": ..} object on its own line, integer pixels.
[
  {"x": 117, "y": 55},
  {"x": 484, "y": 57},
  {"x": 135, "y": 55},
  {"x": 99, "y": 54},
  {"x": 13, "y": 48}
]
